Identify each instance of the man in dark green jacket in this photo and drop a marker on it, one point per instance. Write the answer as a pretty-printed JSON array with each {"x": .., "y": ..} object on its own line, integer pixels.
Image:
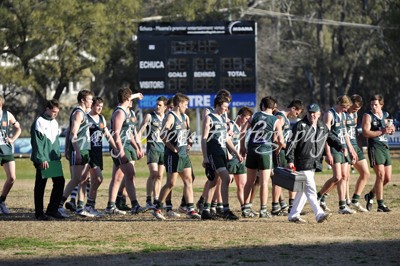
[{"x": 46, "y": 155}]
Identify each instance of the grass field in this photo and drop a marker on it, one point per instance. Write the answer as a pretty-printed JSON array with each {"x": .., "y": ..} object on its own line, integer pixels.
[{"x": 362, "y": 238}]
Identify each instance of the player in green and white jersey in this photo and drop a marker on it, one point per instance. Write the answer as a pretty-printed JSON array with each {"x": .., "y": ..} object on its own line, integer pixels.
[
  {"x": 151, "y": 129},
  {"x": 98, "y": 128},
  {"x": 335, "y": 120},
  {"x": 216, "y": 204},
  {"x": 77, "y": 148},
  {"x": 176, "y": 158},
  {"x": 376, "y": 124},
  {"x": 293, "y": 110},
  {"x": 237, "y": 169},
  {"x": 129, "y": 150},
  {"x": 214, "y": 144},
  {"x": 263, "y": 137},
  {"x": 361, "y": 164}
]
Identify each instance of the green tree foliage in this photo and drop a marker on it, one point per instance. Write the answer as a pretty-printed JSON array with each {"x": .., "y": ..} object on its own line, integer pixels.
[
  {"x": 56, "y": 41},
  {"x": 18, "y": 42},
  {"x": 318, "y": 50},
  {"x": 120, "y": 66},
  {"x": 86, "y": 34}
]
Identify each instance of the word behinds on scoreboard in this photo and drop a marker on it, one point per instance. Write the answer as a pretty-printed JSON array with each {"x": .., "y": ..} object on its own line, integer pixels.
[{"x": 197, "y": 57}]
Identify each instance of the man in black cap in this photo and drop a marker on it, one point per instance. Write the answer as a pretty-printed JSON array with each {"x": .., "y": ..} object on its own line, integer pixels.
[{"x": 305, "y": 150}]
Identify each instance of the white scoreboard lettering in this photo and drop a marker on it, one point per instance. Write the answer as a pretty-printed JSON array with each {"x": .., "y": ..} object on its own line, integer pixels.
[{"x": 199, "y": 100}]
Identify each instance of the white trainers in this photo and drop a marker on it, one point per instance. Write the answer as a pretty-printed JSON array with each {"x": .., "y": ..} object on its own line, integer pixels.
[
  {"x": 84, "y": 213},
  {"x": 3, "y": 208},
  {"x": 358, "y": 207},
  {"x": 93, "y": 211},
  {"x": 247, "y": 213},
  {"x": 63, "y": 212},
  {"x": 346, "y": 210},
  {"x": 157, "y": 214},
  {"x": 173, "y": 214},
  {"x": 114, "y": 210}
]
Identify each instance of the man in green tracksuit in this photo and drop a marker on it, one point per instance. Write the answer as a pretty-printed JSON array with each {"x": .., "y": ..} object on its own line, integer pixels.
[{"x": 45, "y": 149}]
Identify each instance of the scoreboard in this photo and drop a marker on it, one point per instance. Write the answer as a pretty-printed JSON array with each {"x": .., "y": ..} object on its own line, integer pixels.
[{"x": 197, "y": 58}]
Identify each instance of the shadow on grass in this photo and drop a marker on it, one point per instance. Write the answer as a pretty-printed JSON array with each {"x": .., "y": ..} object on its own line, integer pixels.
[
  {"x": 366, "y": 253},
  {"x": 26, "y": 215}
]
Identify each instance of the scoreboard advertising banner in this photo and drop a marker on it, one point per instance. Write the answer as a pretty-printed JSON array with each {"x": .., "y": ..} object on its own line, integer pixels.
[{"x": 198, "y": 59}]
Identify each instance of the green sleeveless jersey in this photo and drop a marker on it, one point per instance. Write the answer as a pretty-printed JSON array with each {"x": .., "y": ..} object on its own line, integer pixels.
[
  {"x": 351, "y": 127},
  {"x": 286, "y": 130},
  {"x": 154, "y": 141},
  {"x": 262, "y": 128},
  {"x": 178, "y": 134},
  {"x": 5, "y": 147},
  {"x": 338, "y": 126},
  {"x": 96, "y": 130},
  {"x": 377, "y": 123},
  {"x": 216, "y": 140},
  {"x": 83, "y": 135},
  {"x": 211, "y": 110},
  {"x": 125, "y": 132}
]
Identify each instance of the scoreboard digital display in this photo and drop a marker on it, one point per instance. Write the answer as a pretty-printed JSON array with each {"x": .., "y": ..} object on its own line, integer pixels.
[{"x": 197, "y": 57}]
